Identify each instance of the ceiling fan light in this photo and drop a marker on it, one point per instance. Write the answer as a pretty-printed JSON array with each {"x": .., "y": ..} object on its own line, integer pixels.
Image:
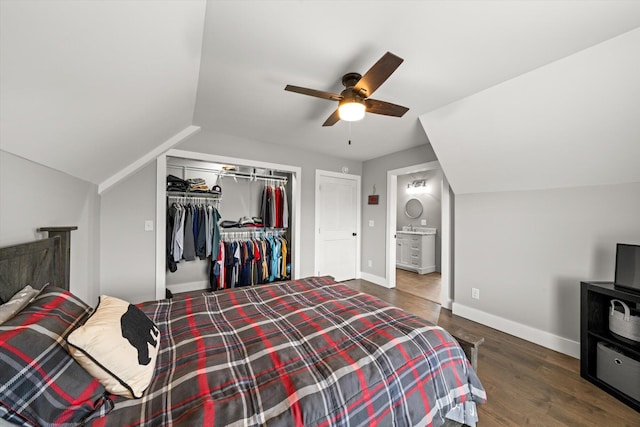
[{"x": 351, "y": 110}]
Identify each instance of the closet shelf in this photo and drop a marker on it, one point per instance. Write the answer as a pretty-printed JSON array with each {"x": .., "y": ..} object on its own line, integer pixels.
[
  {"x": 234, "y": 174},
  {"x": 181, "y": 194}
]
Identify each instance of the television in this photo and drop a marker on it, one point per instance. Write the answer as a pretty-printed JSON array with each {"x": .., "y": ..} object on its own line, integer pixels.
[{"x": 627, "y": 267}]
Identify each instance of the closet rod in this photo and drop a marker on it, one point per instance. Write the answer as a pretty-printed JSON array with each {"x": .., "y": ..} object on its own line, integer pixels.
[
  {"x": 252, "y": 233},
  {"x": 223, "y": 173}
]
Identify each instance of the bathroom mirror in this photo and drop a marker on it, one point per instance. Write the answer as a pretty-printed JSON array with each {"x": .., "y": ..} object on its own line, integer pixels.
[{"x": 413, "y": 208}]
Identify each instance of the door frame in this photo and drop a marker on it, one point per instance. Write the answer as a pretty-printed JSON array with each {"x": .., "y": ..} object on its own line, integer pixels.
[
  {"x": 316, "y": 235},
  {"x": 445, "y": 232}
]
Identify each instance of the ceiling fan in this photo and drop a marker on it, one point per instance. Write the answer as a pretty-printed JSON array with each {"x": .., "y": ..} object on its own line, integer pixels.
[{"x": 354, "y": 100}]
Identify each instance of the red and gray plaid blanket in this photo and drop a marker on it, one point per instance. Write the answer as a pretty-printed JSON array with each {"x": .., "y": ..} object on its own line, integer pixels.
[{"x": 309, "y": 352}]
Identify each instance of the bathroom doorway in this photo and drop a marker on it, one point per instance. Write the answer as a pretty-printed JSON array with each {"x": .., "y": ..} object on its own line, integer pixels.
[{"x": 418, "y": 232}]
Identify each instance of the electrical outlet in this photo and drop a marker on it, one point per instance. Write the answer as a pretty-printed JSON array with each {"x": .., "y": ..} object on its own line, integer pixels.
[
  {"x": 370, "y": 263},
  {"x": 475, "y": 293}
]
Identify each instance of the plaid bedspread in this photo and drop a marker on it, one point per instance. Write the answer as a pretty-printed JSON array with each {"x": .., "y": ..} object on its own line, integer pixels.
[{"x": 310, "y": 352}]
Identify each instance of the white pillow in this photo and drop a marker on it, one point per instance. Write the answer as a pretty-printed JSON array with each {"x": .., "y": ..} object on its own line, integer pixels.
[
  {"x": 17, "y": 303},
  {"x": 118, "y": 345}
]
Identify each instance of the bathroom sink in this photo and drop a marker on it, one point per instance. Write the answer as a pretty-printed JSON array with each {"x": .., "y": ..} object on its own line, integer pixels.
[{"x": 418, "y": 230}]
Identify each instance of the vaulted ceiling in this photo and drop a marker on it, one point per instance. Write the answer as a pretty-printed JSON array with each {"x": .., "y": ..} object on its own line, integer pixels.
[{"x": 90, "y": 87}]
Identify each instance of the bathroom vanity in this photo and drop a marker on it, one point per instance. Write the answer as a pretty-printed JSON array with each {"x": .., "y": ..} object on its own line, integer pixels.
[{"x": 415, "y": 249}]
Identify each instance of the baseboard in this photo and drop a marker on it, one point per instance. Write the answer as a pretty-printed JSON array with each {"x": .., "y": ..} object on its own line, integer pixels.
[
  {"x": 374, "y": 279},
  {"x": 537, "y": 336},
  {"x": 189, "y": 286}
]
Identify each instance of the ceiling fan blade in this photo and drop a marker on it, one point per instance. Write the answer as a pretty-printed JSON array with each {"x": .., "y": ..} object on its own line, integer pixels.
[
  {"x": 313, "y": 92},
  {"x": 381, "y": 70},
  {"x": 333, "y": 119},
  {"x": 386, "y": 108}
]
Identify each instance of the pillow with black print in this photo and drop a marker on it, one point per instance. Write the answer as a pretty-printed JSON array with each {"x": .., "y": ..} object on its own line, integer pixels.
[{"x": 118, "y": 345}]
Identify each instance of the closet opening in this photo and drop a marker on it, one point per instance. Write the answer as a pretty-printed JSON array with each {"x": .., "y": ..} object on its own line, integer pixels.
[{"x": 251, "y": 209}]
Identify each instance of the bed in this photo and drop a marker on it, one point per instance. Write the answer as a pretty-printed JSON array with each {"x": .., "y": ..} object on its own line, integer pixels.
[{"x": 307, "y": 352}]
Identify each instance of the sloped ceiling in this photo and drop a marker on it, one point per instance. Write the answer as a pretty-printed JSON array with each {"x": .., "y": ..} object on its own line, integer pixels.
[
  {"x": 89, "y": 87},
  {"x": 574, "y": 122}
]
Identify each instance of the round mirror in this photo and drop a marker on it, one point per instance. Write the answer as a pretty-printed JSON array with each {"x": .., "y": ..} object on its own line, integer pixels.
[{"x": 413, "y": 208}]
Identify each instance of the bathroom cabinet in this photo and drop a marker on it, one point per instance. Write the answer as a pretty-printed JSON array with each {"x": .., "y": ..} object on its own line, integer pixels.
[{"x": 415, "y": 251}]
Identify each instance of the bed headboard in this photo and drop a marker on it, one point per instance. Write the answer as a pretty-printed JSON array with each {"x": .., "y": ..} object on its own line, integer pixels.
[{"x": 36, "y": 263}]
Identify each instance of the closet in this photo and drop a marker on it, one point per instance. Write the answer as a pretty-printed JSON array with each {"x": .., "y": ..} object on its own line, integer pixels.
[{"x": 248, "y": 214}]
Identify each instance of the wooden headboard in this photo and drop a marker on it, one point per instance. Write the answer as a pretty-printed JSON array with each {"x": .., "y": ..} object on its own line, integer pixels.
[{"x": 36, "y": 263}]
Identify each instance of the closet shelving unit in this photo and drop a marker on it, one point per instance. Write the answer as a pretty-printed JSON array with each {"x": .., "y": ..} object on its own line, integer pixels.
[
  {"x": 233, "y": 173},
  {"x": 252, "y": 174}
]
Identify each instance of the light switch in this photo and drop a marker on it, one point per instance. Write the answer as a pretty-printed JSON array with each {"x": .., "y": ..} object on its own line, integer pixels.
[
  {"x": 148, "y": 225},
  {"x": 370, "y": 223}
]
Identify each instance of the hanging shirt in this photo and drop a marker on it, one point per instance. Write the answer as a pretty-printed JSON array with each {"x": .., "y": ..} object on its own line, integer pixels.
[
  {"x": 196, "y": 224},
  {"x": 283, "y": 264},
  {"x": 228, "y": 263},
  {"x": 215, "y": 247},
  {"x": 264, "y": 207},
  {"x": 171, "y": 264},
  {"x": 220, "y": 261},
  {"x": 236, "y": 264},
  {"x": 209, "y": 230},
  {"x": 277, "y": 258},
  {"x": 285, "y": 209},
  {"x": 201, "y": 241},
  {"x": 189, "y": 251},
  {"x": 265, "y": 260},
  {"x": 272, "y": 207},
  {"x": 179, "y": 235}
]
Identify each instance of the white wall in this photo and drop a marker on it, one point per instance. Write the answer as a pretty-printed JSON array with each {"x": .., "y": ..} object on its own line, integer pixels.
[
  {"x": 127, "y": 251},
  {"x": 128, "y": 266},
  {"x": 527, "y": 252},
  {"x": 32, "y": 196},
  {"x": 374, "y": 172}
]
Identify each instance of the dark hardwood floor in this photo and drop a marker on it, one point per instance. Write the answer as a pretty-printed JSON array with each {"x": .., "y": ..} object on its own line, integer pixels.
[{"x": 526, "y": 384}]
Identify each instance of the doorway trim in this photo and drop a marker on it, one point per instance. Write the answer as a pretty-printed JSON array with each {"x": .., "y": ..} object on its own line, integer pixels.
[
  {"x": 445, "y": 237},
  {"x": 357, "y": 179}
]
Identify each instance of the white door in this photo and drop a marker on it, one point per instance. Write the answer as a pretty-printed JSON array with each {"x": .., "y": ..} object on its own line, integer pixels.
[{"x": 337, "y": 225}]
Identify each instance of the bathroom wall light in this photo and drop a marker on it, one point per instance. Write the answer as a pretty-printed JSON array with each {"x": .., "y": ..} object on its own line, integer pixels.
[{"x": 417, "y": 186}]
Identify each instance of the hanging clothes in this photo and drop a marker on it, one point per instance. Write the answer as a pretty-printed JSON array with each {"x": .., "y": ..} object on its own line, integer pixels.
[
  {"x": 249, "y": 262},
  {"x": 192, "y": 231},
  {"x": 274, "y": 208}
]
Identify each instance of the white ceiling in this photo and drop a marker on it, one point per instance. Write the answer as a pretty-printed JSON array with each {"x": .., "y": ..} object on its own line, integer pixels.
[{"x": 89, "y": 87}]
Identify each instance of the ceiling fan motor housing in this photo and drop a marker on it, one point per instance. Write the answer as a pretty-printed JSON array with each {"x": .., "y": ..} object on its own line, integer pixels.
[{"x": 350, "y": 79}]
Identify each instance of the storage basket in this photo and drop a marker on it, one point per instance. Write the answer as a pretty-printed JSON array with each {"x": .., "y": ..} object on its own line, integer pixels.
[
  {"x": 618, "y": 370},
  {"x": 624, "y": 323}
]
